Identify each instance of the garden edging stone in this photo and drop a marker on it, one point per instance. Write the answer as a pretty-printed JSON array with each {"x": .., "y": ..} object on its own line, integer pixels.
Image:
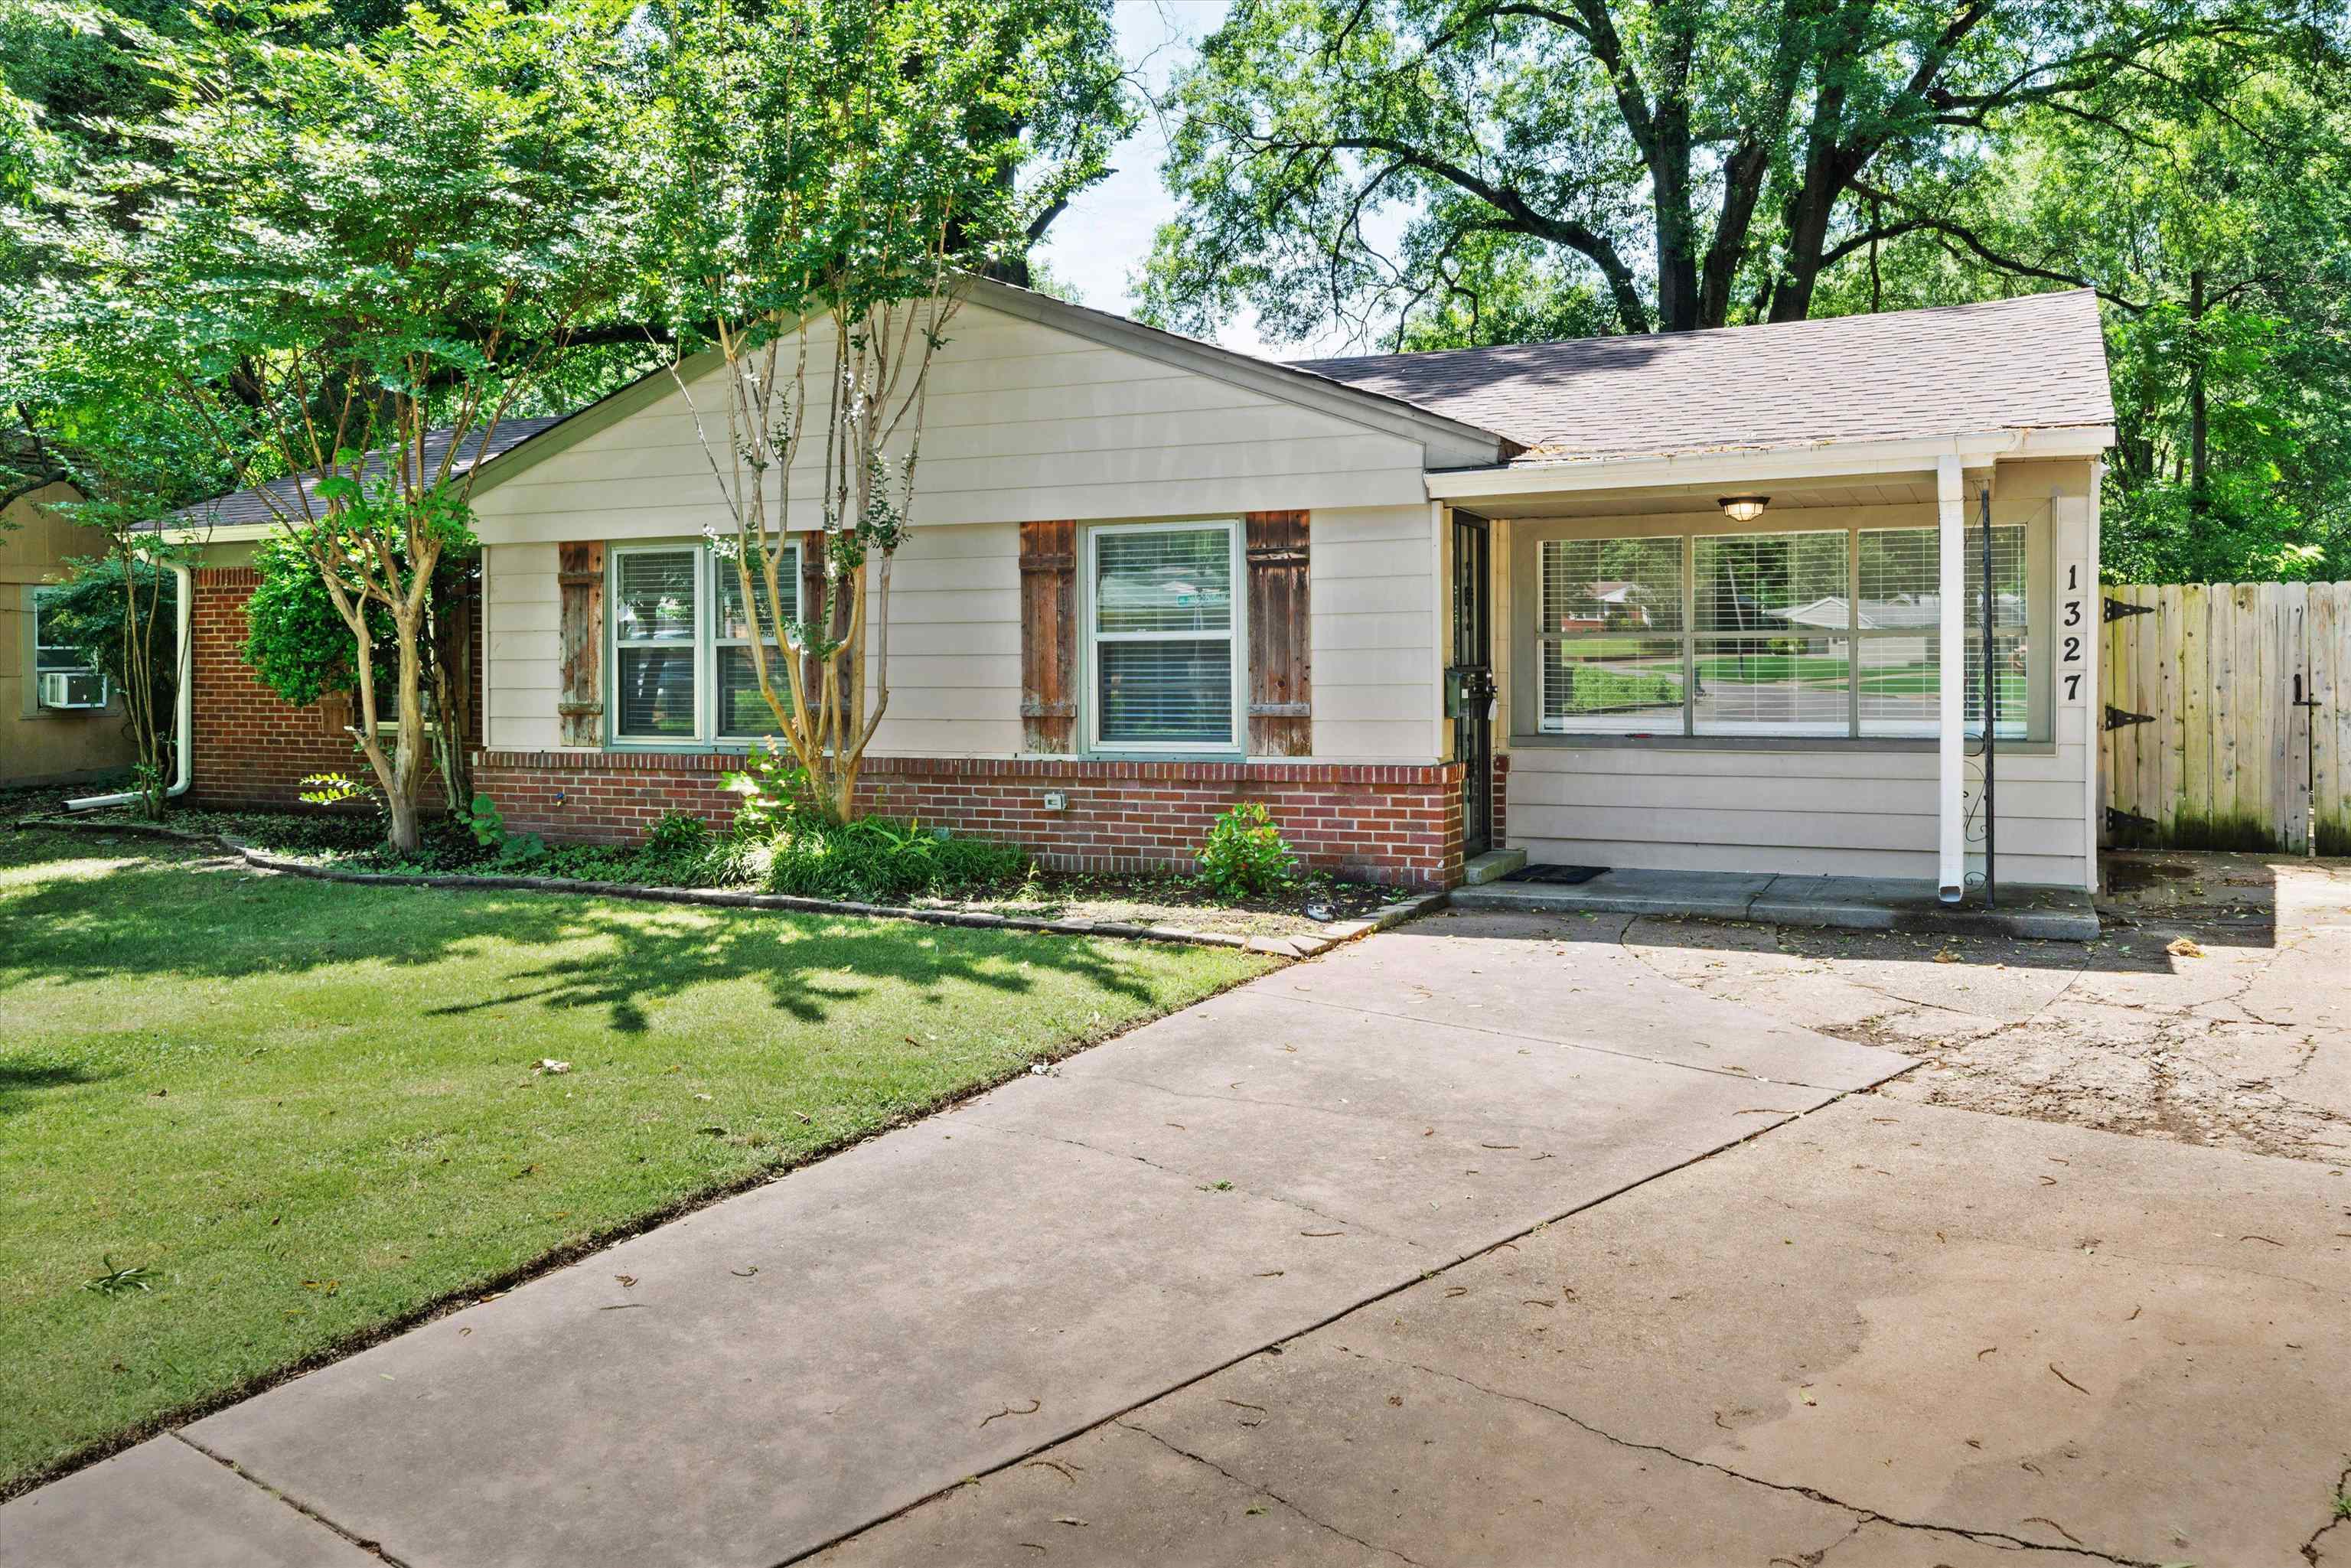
[{"x": 1298, "y": 946}]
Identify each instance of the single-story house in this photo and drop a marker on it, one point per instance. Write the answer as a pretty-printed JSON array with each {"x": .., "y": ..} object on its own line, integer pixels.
[{"x": 1149, "y": 577}]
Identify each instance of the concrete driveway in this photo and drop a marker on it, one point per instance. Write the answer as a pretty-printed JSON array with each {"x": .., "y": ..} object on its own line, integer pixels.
[{"x": 793, "y": 1365}]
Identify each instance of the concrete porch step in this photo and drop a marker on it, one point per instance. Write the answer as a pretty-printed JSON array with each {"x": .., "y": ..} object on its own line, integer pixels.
[
  {"x": 1491, "y": 866},
  {"x": 1852, "y": 903}
]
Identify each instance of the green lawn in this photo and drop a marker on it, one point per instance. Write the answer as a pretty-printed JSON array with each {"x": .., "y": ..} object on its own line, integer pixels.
[{"x": 307, "y": 1110}]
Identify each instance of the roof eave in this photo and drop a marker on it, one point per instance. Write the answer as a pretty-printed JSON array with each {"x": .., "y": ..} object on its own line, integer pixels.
[{"x": 1747, "y": 465}]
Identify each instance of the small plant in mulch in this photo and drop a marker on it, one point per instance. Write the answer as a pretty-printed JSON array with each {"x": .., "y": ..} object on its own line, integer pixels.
[{"x": 1245, "y": 855}]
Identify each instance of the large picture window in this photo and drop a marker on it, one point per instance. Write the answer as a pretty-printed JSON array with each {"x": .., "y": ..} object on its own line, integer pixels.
[
  {"x": 1827, "y": 633},
  {"x": 682, "y": 663},
  {"x": 1164, "y": 637}
]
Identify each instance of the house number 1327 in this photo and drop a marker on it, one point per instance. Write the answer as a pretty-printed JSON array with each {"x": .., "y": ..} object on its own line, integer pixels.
[{"x": 2072, "y": 641}]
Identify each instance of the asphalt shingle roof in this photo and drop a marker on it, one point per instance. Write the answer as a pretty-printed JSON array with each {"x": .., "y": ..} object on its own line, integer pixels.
[
  {"x": 263, "y": 502},
  {"x": 2035, "y": 362}
]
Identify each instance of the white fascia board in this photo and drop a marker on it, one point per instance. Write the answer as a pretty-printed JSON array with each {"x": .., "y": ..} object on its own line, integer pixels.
[
  {"x": 1829, "y": 460},
  {"x": 221, "y": 533}
]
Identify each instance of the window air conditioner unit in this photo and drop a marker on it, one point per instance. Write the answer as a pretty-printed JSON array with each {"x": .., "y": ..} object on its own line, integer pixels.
[{"x": 73, "y": 688}]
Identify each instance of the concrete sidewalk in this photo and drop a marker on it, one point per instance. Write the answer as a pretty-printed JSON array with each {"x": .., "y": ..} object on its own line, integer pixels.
[{"x": 789, "y": 1366}]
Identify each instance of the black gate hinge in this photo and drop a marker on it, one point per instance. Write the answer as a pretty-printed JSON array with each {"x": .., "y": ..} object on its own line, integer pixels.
[
  {"x": 2117, "y": 608},
  {"x": 2117, "y": 818},
  {"x": 2118, "y": 718}
]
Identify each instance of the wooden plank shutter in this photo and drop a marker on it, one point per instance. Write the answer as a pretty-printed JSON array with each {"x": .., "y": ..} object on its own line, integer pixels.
[
  {"x": 1048, "y": 637},
  {"x": 580, "y": 593},
  {"x": 1280, "y": 638}
]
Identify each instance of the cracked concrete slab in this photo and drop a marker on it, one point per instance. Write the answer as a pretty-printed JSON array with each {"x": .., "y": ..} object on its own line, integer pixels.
[
  {"x": 165, "y": 1502},
  {"x": 792, "y": 1365},
  {"x": 1885, "y": 1334},
  {"x": 2196, "y": 1019}
]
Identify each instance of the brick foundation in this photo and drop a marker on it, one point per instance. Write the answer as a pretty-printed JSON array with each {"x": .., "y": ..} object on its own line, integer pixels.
[
  {"x": 1500, "y": 834},
  {"x": 1391, "y": 823}
]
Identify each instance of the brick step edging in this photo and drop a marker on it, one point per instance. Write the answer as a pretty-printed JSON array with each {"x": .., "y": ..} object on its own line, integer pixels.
[{"x": 1304, "y": 945}]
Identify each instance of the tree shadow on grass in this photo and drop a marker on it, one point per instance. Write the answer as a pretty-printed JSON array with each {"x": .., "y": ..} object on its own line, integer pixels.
[
  {"x": 22, "y": 1082},
  {"x": 157, "y": 911}
]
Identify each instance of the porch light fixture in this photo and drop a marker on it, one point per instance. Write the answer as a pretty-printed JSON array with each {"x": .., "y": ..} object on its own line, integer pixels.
[{"x": 1743, "y": 509}]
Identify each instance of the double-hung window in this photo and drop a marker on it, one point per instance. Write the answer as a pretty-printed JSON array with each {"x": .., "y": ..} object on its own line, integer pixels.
[
  {"x": 1165, "y": 638},
  {"x": 1791, "y": 632},
  {"x": 682, "y": 672}
]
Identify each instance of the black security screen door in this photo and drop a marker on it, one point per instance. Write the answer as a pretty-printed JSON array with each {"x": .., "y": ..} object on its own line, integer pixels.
[{"x": 1470, "y": 686}]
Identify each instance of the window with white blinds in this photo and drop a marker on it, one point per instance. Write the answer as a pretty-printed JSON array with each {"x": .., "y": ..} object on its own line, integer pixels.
[
  {"x": 682, "y": 664},
  {"x": 1825, "y": 632},
  {"x": 1164, "y": 637}
]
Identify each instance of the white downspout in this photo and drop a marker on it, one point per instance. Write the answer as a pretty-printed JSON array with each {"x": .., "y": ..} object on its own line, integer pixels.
[
  {"x": 1950, "y": 813},
  {"x": 184, "y": 716}
]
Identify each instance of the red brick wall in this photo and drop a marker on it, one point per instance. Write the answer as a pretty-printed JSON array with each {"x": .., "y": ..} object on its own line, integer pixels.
[
  {"x": 1398, "y": 824},
  {"x": 1500, "y": 835},
  {"x": 252, "y": 749}
]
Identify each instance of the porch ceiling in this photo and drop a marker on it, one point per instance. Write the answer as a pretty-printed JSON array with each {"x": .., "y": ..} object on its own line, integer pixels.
[{"x": 1885, "y": 490}]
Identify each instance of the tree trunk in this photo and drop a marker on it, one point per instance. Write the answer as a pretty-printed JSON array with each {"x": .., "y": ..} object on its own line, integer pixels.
[
  {"x": 2199, "y": 422},
  {"x": 408, "y": 750}
]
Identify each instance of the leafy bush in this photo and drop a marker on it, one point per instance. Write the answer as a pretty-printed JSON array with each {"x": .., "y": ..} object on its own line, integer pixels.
[
  {"x": 677, "y": 833},
  {"x": 878, "y": 861},
  {"x": 774, "y": 788},
  {"x": 1245, "y": 856}
]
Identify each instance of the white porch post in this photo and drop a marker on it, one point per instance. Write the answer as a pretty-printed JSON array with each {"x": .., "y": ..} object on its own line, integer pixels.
[{"x": 1950, "y": 811}]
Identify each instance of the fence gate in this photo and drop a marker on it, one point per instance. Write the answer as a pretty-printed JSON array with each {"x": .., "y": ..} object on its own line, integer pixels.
[{"x": 2228, "y": 715}]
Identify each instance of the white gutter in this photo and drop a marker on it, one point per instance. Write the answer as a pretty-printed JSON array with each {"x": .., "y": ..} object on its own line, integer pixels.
[
  {"x": 1950, "y": 810},
  {"x": 1738, "y": 466},
  {"x": 184, "y": 716}
]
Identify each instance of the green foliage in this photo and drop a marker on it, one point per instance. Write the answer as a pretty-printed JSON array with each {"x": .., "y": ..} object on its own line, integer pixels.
[
  {"x": 1438, "y": 173},
  {"x": 1245, "y": 855},
  {"x": 296, "y": 641},
  {"x": 876, "y": 860},
  {"x": 773, "y": 789},
  {"x": 86, "y": 613},
  {"x": 337, "y": 789},
  {"x": 678, "y": 833}
]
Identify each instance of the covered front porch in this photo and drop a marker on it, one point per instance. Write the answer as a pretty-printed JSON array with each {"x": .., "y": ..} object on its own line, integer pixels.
[{"x": 1767, "y": 668}]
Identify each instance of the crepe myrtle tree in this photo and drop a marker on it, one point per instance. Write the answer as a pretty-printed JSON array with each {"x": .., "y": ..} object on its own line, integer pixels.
[
  {"x": 349, "y": 248},
  {"x": 836, "y": 170}
]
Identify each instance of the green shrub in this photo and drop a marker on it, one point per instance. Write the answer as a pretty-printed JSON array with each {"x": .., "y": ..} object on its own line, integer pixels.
[
  {"x": 1245, "y": 856},
  {"x": 677, "y": 833},
  {"x": 774, "y": 788},
  {"x": 878, "y": 861}
]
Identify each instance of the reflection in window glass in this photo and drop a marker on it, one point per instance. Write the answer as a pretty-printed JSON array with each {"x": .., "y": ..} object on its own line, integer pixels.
[
  {"x": 1770, "y": 686},
  {"x": 656, "y": 692},
  {"x": 654, "y": 591},
  {"x": 1612, "y": 685},
  {"x": 1164, "y": 580},
  {"x": 1611, "y": 585},
  {"x": 1770, "y": 583},
  {"x": 1900, "y": 651}
]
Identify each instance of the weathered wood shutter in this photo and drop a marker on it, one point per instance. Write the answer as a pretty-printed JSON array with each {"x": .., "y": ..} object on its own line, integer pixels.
[
  {"x": 1048, "y": 637},
  {"x": 580, "y": 593},
  {"x": 1280, "y": 651}
]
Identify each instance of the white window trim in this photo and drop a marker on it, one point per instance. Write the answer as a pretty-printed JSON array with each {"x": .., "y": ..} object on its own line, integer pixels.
[
  {"x": 704, "y": 645},
  {"x": 1236, "y": 634}
]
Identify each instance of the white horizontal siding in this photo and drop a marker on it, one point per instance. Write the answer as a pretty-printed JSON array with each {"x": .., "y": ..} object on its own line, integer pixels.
[
  {"x": 1371, "y": 581},
  {"x": 524, "y": 667},
  {"x": 954, "y": 643},
  {"x": 1025, "y": 423},
  {"x": 1846, "y": 811}
]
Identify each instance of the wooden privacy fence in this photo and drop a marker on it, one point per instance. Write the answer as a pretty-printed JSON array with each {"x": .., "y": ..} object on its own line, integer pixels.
[{"x": 2227, "y": 715}]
